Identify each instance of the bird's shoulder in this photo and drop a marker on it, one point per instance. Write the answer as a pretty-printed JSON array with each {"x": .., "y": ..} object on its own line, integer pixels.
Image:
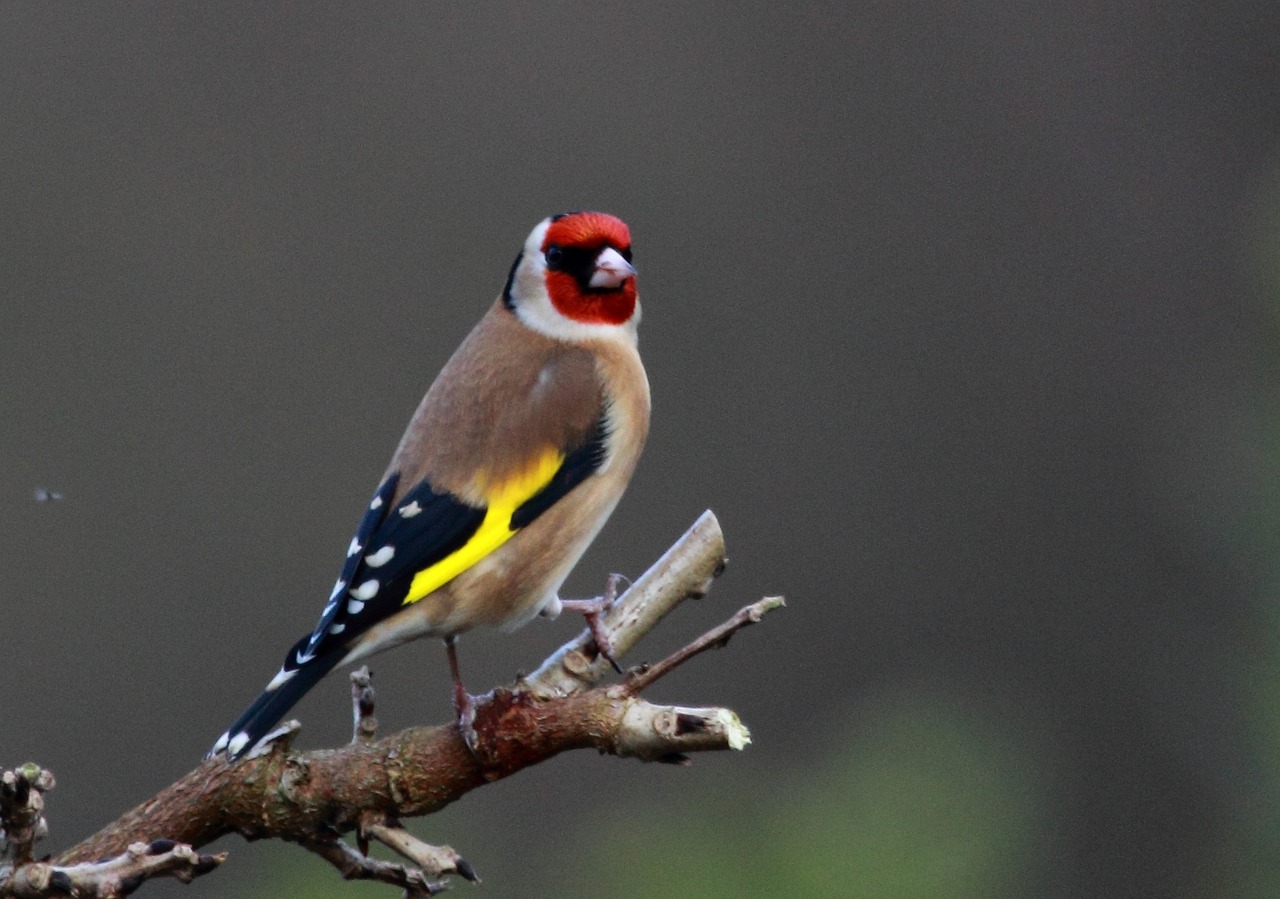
[{"x": 505, "y": 397}]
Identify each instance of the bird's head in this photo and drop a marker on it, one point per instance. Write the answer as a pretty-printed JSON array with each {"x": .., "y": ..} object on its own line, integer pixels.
[{"x": 574, "y": 278}]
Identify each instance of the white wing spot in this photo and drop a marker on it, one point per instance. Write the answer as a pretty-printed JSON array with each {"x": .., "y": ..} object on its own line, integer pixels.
[
  {"x": 355, "y": 607},
  {"x": 381, "y": 557},
  {"x": 366, "y": 591},
  {"x": 263, "y": 746},
  {"x": 282, "y": 677},
  {"x": 377, "y": 503},
  {"x": 221, "y": 744},
  {"x": 337, "y": 628},
  {"x": 410, "y": 510},
  {"x": 238, "y": 743},
  {"x": 354, "y": 548},
  {"x": 338, "y": 588},
  {"x": 303, "y": 657}
]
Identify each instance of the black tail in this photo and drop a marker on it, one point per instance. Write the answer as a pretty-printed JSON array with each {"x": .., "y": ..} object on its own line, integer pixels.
[{"x": 274, "y": 703}]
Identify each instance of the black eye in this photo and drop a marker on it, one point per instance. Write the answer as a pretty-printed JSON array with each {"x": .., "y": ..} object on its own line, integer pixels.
[{"x": 555, "y": 256}]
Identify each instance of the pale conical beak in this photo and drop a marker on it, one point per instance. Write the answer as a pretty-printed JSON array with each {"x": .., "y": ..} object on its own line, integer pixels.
[{"x": 611, "y": 269}]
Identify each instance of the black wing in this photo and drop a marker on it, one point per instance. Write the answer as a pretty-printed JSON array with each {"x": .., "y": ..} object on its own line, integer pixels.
[{"x": 424, "y": 527}]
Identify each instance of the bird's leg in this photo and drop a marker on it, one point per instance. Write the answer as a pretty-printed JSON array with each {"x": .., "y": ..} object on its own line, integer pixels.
[
  {"x": 463, "y": 706},
  {"x": 592, "y": 609}
]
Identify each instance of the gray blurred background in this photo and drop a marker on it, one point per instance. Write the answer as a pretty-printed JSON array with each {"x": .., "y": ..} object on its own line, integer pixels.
[{"x": 961, "y": 318}]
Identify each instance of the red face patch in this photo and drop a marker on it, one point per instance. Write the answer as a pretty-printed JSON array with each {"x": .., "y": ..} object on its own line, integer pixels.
[
  {"x": 579, "y": 237},
  {"x": 597, "y": 307}
]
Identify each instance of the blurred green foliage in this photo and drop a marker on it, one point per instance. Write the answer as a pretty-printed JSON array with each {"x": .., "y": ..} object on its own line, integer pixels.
[
  {"x": 921, "y": 799},
  {"x": 1251, "y": 863}
]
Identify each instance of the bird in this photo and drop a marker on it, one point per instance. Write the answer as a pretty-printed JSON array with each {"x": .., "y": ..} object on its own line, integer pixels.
[{"x": 515, "y": 458}]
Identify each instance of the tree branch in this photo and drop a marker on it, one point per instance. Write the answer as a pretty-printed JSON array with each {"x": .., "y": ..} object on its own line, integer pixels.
[
  {"x": 312, "y": 798},
  {"x": 22, "y": 824},
  {"x": 111, "y": 878},
  {"x": 716, "y": 638}
]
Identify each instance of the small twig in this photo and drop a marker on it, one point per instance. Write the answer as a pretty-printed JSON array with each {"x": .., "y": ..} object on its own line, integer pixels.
[
  {"x": 713, "y": 639},
  {"x": 22, "y": 809},
  {"x": 354, "y": 866},
  {"x": 21, "y": 820},
  {"x": 114, "y": 877},
  {"x": 434, "y": 861},
  {"x": 365, "y": 728}
]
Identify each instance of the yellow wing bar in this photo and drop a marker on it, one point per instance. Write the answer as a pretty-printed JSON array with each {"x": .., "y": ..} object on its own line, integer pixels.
[{"x": 502, "y": 499}]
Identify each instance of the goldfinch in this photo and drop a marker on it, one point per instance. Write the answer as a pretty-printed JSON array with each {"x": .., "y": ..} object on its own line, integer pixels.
[{"x": 512, "y": 463}]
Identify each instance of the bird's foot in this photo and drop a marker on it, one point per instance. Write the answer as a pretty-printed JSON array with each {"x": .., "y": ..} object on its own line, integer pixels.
[
  {"x": 463, "y": 706},
  {"x": 592, "y": 610}
]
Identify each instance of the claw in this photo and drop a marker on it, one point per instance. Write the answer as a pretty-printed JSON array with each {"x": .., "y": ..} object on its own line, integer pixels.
[
  {"x": 592, "y": 610},
  {"x": 463, "y": 705},
  {"x": 467, "y": 727}
]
